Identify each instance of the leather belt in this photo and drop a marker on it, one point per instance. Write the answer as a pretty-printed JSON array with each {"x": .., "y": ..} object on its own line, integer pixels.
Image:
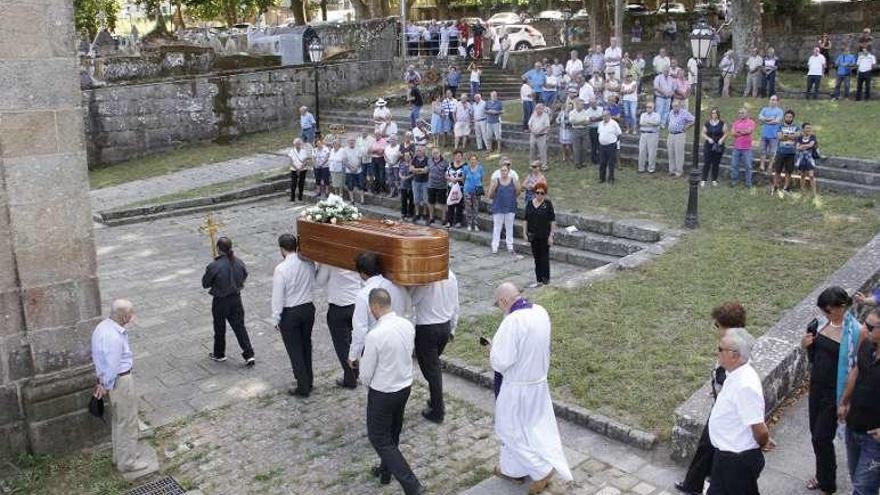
[
  {"x": 126, "y": 372},
  {"x": 649, "y": 132}
]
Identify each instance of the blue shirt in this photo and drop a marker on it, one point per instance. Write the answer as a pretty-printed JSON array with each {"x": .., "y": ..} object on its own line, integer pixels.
[
  {"x": 111, "y": 352},
  {"x": 768, "y": 131},
  {"x": 844, "y": 63},
  {"x": 453, "y": 79},
  {"x": 536, "y": 78},
  {"x": 472, "y": 178},
  {"x": 306, "y": 121},
  {"x": 494, "y": 106},
  {"x": 678, "y": 122}
]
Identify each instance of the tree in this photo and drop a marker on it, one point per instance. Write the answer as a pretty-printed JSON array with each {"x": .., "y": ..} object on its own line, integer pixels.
[
  {"x": 153, "y": 9},
  {"x": 85, "y": 15},
  {"x": 233, "y": 12},
  {"x": 601, "y": 20},
  {"x": 748, "y": 32}
]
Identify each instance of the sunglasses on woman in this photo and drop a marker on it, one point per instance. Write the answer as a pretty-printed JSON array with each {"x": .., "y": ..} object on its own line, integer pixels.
[{"x": 540, "y": 193}]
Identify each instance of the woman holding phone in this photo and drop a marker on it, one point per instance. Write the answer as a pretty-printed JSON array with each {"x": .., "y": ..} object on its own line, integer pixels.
[{"x": 831, "y": 344}]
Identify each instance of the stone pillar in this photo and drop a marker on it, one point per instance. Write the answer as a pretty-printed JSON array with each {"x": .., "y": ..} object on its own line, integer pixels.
[{"x": 49, "y": 299}]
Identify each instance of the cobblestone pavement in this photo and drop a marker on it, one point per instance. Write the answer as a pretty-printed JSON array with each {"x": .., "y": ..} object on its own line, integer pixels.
[
  {"x": 130, "y": 192},
  {"x": 159, "y": 265}
]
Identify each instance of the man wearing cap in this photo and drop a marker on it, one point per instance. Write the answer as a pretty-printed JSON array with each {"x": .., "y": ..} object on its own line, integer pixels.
[
  {"x": 381, "y": 116},
  {"x": 308, "y": 124}
]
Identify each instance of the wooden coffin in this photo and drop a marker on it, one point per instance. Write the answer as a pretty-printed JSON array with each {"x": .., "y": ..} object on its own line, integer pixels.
[{"x": 410, "y": 254}]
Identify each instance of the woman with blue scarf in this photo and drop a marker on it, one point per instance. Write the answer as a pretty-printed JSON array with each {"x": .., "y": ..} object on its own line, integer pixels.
[{"x": 831, "y": 343}]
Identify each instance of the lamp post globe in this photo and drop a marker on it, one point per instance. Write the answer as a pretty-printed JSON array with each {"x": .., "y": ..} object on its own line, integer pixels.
[{"x": 701, "y": 41}]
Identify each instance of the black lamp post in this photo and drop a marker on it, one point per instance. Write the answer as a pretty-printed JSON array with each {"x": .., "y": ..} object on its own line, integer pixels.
[
  {"x": 316, "y": 53},
  {"x": 701, "y": 39}
]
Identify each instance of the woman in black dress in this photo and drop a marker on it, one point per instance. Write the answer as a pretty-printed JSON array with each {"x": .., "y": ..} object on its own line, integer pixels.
[
  {"x": 714, "y": 134},
  {"x": 540, "y": 224}
]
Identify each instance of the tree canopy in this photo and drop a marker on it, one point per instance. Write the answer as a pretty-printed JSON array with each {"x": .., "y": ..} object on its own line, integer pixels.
[{"x": 85, "y": 15}]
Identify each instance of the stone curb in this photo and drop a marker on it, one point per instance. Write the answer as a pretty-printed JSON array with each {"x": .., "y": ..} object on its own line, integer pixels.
[{"x": 603, "y": 425}]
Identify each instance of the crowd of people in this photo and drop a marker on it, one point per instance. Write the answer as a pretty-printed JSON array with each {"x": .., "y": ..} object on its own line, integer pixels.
[
  {"x": 844, "y": 385},
  {"x": 376, "y": 327}
]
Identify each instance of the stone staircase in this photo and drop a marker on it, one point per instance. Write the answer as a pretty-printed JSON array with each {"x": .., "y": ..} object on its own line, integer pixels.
[
  {"x": 505, "y": 83},
  {"x": 838, "y": 174}
]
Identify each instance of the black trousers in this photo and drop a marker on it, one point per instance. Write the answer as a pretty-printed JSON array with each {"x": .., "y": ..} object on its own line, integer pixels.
[
  {"x": 296, "y": 332},
  {"x": 431, "y": 340},
  {"x": 711, "y": 162},
  {"x": 607, "y": 160},
  {"x": 541, "y": 253},
  {"x": 455, "y": 213},
  {"x": 379, "y": 174},
  {"x": 339, "y": 323},
  {"x": 407, "y": 208},
  {"x": 701, "y": 464},
  {"x": 297, "y": 184},
  {"x": 823, "y": 425},
  {"x": 230, "y": 309},
  {"x": 736, "y": 474},
  {"x": 863, "y": 82},
  {"x": 594, "y": 144},
  {"x": 384, "y": 422}
]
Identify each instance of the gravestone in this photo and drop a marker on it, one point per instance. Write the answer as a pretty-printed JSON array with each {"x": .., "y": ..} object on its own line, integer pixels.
[
  {"x": 104, "y": 43},
  {"x": 49, "y": 299}
]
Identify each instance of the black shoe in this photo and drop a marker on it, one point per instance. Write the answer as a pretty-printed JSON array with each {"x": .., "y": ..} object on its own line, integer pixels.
[
  {"x": 342, "y": 384},
  {"x": 430, "y": 416},
  {"x": 218, "y": 359},
  {"x": 250, "y": 362},
  {"x": 383, "y": 474},
  {"x": 296, "y": 392},
  {"x": 683, "y": 489}
]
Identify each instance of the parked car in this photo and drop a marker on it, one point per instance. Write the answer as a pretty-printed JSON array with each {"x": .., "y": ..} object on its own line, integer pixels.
[
  {"x": 719, "y": 7},
  {"x": 581, "y": 14},
  {"x": 550, "y": 15},
  {"x": 522, "y": 36},
  {"x": 672, "y": 8},
  {"x": 637, "y": 8},
  {"x": 502, "y": 18}
]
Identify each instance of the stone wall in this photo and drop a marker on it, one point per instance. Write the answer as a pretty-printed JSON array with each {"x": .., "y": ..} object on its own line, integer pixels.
[
  {"x": 49, "y": 298},
  {"x": 778, "y": 356},
  {"x": 128, "y": 121},
  {"x": 151, "y": 64}
]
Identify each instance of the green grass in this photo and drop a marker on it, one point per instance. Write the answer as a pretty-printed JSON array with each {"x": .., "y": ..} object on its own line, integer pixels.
[
  {"x": 209, "y": 190},
  {"x": 189, "y": 157},
  {"x": 637, "y": 345},
  {"x": 83, "y": 474}
]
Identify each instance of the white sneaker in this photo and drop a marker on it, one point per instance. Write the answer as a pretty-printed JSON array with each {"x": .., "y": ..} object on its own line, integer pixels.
[
  {"x": 702, "y": 183},
  {"x": 494, "y": 251},
  {"x": 470, "y": 228},
  {"x": 476, "y": 229},
  {"x": 714, "y": 183}
]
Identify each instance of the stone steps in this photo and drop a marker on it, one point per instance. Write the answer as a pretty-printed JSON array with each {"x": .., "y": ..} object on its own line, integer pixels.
[{"x": 847, "y": 175}]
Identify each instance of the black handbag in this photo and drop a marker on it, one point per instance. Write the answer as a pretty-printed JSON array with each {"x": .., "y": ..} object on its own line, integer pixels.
[
  {"x": 96, "y": 407},
  {"x": 479, "y": 191}
]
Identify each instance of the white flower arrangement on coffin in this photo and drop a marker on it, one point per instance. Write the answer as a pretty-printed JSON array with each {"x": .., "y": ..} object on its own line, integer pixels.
[{"x": 332, "y": 210}]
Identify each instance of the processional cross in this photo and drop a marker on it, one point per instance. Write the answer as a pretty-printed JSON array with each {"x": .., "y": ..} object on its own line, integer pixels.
[{"x": 210, "y": 228}]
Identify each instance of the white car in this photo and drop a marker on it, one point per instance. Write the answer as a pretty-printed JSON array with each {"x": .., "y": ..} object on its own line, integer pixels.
[
  {"x": 503, "y": 18},
  {"x": 581, "y": 14},
  {"x": 522, "y": 36},
  {"x": 673, "y": 8},
  {"x": 550, "y": 15}
]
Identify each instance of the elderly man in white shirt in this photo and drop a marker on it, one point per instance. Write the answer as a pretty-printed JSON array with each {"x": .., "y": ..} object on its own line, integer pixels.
[
  {"x": 481, "y": 125},
  {"x": 539, "y": 126},
  {"x": 815, "y": 69},
  {"x": 524, "y": 420},
  {"x": 436, "y": 309},
  {"x": 113, "y": 359},
  {"x": 369, "y": 268},
  {"x": 754, "y": 74},
  {"x": 661, "y": 61},
  {"x": 386, "y": 370},
  {"x": 301, "y": 160},
  {"x": 342, "y": 287},
  {"x": 609, "y": 135},
  {"x": 574, "y": 66},
  {"x": 737, "y": 428},
  {"x": 613, "y": 56},
  {"x": 293, "y": 311}
]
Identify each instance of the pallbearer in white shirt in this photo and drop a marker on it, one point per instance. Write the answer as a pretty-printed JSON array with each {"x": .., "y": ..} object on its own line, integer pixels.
[
  {"x": 386, "y": 369},
  {"x": 736, "y": 425},
  {"x": 342, "y": 287},
  {"x": 524, "y": 419},
  {"x": 293, "y": 311},
  {"x": 370, "y": 269},
  {"x": 436, "y": 312}
]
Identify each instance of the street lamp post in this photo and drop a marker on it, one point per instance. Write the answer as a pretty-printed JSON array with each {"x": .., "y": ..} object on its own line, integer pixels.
[
  {"x": 316, "y": 54},
  {"x": 701, "y": 39}
]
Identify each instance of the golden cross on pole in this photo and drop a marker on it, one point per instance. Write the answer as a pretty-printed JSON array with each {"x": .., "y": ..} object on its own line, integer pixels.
[{"x": 210, "y": 228}]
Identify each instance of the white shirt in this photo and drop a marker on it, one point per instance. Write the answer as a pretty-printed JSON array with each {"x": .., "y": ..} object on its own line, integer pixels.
[
  {"x": 739, "y": 406},
  {"x": 337, "y": 157},
  {"x": 381, "y": 114},
  {"x": 342, "y": 286},
  {"x": 475, "y": 76},
  {"x": 479, "y": 108},
  {"x": 525, "y": 92},
  {"x": 660, "y": 63},
  {"x": 866, "y": 62},
  {"x": 387, "y": 362},
  {"x": 612, "y": 57},
  {"x": 111, "y": 352},
  {"x": 497, "y": 175},
  {"x": 609, "y": 132},
  {"x": 392, "y": 154},
  {"x": 299, "y": 157},
  {"x": 593, "y": 114},
  {"x": 815, "y": 65},
  {"x": 755, "y": 62},
  {"x": 586, "y": 93},
  {"x": 291, "y": 284},
  {"x": 693, "y": 68},
  {"x": 573, "y": 67},
  {"x": 633, "y": 94},
  {"x": 437, "y": 302},
  {"x": 362, "y": 320},
  {"x": 420, "y": 137},
  {"x": 351, "y": 160}
]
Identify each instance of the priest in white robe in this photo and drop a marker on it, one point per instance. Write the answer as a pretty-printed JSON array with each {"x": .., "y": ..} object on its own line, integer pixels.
[{"x": 524, "y": 418}]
